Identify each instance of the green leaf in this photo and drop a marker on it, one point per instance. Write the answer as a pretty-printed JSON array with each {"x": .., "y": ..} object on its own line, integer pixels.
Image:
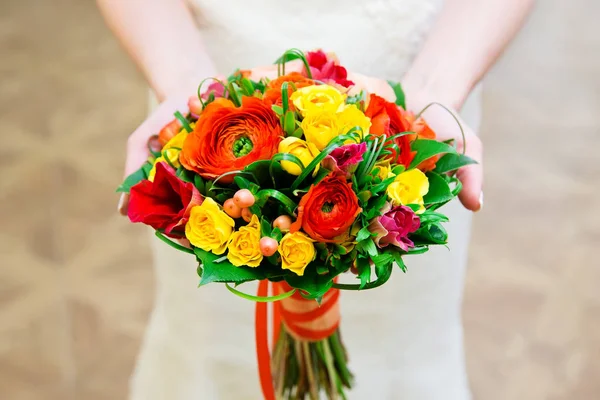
[
  {"x": 224, "y": 271},
  {"x": 451, "y": 162},
  {"x": 375, "y": 206},
  {"x": 135, "y": 178},
  {"x": 185, "y": 175},
  {"x": 368, "y": 247},
  {"x": 399, "y": 92},
  {"x": 277, "y": 109},
  {"x": 265, "y": 227},
  {"x": 183, "y": 121},
  {"x": 418, "y": 250},
  {"x": 247, "y": 86},
  {"x": 313, "y": 284},
  {"x": 432, "y": 216},
  {"x": 363, "y": 234},
  {"x": 276, "y": 234},
  {"x": 364, "y": 271},
  {"x": 289, "y": 122},
  {"x": 199, "y": 183},
  {"x": 430, "y": 234},
  {"x": 399, "y": 261},
  {"x": 427, "y": 148},
  {"x": 439, "y": 190},
  {"x": 260, "y": 299}
]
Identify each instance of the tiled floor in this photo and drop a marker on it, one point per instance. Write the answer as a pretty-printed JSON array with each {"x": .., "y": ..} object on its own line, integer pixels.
[{"x": 74, "y": 297}]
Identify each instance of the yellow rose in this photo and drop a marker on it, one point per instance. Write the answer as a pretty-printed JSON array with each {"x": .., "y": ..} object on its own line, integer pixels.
[
  {"x": 171, "y": 151},
  {"x": 409, "y": 187},
  {"x": 385, "y": 169},
  {"x": 244, "y": 246},
  {"x": 351, "y": 117},
  {"x": 306, "y": 152},
  {"x": 318, "y": 98},
  {"x": 320, "y": 127},
  {"x": 297, "y": 251},
  {"x": 209, "y": 228}
]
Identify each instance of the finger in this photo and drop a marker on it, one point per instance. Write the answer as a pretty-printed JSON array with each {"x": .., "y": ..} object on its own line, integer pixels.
[
  {"x": 373, "y": 85},
  {"x": 137, "y": 145},
  {"x": 471, "y": 176}
]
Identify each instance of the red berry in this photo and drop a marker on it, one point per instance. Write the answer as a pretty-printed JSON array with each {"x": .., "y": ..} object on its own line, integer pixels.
[{"x": 268, "y": 246}]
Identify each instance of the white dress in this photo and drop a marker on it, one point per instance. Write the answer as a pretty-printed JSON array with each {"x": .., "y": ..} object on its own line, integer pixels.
[{"x": 404, "y": 339}]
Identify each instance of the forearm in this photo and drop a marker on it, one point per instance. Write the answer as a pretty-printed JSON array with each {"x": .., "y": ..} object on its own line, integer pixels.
[
  {"x": 466, "y": 40},
  {"x": 163, "y": 40}
]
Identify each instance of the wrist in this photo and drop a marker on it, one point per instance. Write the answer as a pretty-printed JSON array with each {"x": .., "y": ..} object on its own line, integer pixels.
[{"x": 425, "y": 85}]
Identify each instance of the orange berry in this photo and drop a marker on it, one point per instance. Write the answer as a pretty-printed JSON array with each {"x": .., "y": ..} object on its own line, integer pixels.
[
  {"x": 232, "y": 209},
  {"x": 246, "y": 214},
  {"x": 244, "y": 198},
  {"x": 283, "y": 222},
  {"x": 268, "y": 246}
]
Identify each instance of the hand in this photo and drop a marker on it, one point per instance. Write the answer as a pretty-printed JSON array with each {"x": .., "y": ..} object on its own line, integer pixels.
[{"x": 446, "y": 127}]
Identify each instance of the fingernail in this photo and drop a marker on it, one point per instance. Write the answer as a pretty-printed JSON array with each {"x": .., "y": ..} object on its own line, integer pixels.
[
  {"x": 123, "y": 203},
  {"x": 480, "y": 201}
]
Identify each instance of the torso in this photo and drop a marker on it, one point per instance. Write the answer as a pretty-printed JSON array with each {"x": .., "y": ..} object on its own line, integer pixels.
[{"x": 374, "y": 37}]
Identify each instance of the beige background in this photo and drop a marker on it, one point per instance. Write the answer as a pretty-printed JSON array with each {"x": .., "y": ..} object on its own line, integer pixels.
[{"x": 76, "y": 285}]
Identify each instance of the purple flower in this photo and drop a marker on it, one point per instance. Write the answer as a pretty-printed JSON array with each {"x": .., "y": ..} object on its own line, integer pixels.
[
  {"x": 394, "y": 226},
  {"x": 345, "y": 158}
]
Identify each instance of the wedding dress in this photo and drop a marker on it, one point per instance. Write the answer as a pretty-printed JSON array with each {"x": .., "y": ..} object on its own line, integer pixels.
[{"x": 404, "y": 339}]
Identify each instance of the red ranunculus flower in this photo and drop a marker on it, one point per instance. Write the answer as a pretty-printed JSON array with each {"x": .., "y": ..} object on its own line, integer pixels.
[
  {"x": 165, "y": 203},
  {"x": 389, "y": 119},
  {"x": 328, "y": 210},
  {"x": 326, "y": 68}
]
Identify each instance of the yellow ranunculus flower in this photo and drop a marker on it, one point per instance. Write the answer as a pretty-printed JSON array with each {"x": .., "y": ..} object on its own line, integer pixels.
[
  {"x": 320, "y": 127},
  {"x": 209, "y": 228},
  {"x": 297, "y": 251},
  {"x": 409, "y": 187},
  {"x": 243, "y": 246},
  {"x": 171, "y": 150},
  {"x": 318, "y": 98},
  {"x": 350, "y": 117},
  {"x": 306, "y": 152},
  {"x": 385, "y": 169}
]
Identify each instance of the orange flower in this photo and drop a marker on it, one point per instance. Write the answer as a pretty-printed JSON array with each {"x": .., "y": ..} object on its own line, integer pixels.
[
  {"x": 227, "y": 138},
  {"x": 273, "y": 92},
  {"x": 423, "y": 131},
  {"x": 328, "y": 210},
  {"x": 389, "y": 119}
]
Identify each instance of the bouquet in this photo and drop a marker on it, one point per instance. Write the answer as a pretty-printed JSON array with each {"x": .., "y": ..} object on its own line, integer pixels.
[{"x": 292, "y": 182}]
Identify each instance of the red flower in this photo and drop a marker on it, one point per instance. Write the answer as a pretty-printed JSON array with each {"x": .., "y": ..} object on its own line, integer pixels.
[
  {"x": 345, "y": 158},
  {"x": 165, "y": 203},
  {"x": 389, "y": 119},
  {"x": 328, "y": 210},
  {"x": 324, "y": 68}
]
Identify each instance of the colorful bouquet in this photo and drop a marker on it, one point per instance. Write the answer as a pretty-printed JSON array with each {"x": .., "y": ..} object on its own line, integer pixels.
[{"x": 292, "y": 182}]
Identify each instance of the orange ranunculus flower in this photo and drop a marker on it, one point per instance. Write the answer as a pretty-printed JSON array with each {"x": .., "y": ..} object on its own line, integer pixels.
[
  {"x": 328, "y": 210},
  {"x": 273, "y": 92},
  {"x": 227, "y": 138},
  {"x": 423, "y": 131},
  {"x": 389, "y": 119}
]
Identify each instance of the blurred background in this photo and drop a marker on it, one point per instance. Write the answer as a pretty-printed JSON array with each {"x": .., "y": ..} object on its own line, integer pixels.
[{"x": 76, "y": 284}]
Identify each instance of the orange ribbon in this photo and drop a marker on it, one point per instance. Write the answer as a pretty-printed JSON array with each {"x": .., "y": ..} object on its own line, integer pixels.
[{"x": 304, "y": 319}]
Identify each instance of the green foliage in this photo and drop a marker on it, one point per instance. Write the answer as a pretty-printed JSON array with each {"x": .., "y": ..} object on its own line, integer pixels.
[
  {"x": 430, "y": 234},
  {"x": 427, "y": 148},
  {"x": 399, "y": 92},
  {"x": 451, "y": 162},
  {"x": 311, "y": 283},
  {"x": 364, "y": 271},
  {"x": 135, "y": 178},
  {"x": 439, "y": 190},
  {"x": 183, "y": 121},
  {"x": 219, "y": 269}
]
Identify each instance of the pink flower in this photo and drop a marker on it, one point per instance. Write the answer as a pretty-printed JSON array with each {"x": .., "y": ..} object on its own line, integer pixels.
[
  {"x": 345, "y": 158},
  {"x": 394, "y": 226},
  {"x": 324, "y": 68}
]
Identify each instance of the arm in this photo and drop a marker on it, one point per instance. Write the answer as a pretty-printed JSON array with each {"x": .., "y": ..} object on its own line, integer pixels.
[
  {"x": 466, "y": 40},
  {"x": 162, "y": 39}
]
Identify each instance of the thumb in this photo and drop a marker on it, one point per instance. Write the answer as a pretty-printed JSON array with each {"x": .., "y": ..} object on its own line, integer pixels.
[{"x": 137, "y": 144}]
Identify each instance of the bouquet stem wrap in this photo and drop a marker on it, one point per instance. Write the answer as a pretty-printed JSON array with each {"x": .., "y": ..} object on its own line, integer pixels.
[{"x": 308, "y": 355}]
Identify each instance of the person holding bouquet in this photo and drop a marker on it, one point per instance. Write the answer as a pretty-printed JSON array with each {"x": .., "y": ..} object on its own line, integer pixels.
[{"x": 405, "y": 339}]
